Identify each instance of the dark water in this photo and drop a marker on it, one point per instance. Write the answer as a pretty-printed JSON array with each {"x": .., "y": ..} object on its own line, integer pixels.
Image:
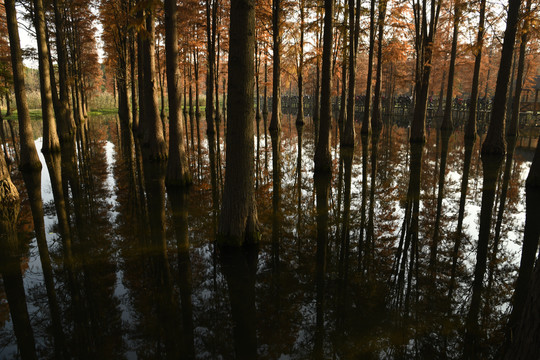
[{"x": 132, "y": 270}]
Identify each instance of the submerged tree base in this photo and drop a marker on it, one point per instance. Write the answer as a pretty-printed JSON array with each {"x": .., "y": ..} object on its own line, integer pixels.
[
  {"x": 9, "y": 199},
  {"x": 252, "y": 237}
]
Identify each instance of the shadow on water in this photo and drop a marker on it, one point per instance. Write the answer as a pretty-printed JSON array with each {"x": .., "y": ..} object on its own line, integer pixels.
[{"x": 119, "y": 266}]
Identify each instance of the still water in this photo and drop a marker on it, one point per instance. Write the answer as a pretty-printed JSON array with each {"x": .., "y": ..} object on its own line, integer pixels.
[{"x": 131, "y": 269}]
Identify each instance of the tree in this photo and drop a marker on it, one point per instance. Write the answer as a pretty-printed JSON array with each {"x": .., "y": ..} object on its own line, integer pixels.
[
  {"x": 29, "y": 159},
  {"x": 447, "y": 117},
  {"x": 376, "y": 120},
  {"x": 470, "y": 131},
  {"x": 494, "y": 143},
  {"x": 153, "y": 138},
  {"x": 66, "y": 121},
  {"x": 115, "y": 20},
  {"x": 425, "y": 29},
  {"x": 238, "y": 221},
  {"x": 323, "y": 161},
  {"x": 516, "y": 101},
  {"x": 275, "y": 121},
  {"x": 354, "y": 33},
  {"x": 366, "y": 122},
  {"x": 51, "y": 142},
  {"x": 523, "y": 335},
  {"x": 177, "y": 166}
]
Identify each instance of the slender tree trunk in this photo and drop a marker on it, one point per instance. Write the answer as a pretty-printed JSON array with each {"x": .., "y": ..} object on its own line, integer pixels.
[
  {"x": 354, "y": 33},
  {"x": 211, "y": 28},
  {"x": 122, "y": 84},
  {"x": 29, "y": 159},
  {"x": 177, "y": 166},
  {"x": 238, "y": 221},
  {"x": 143, "y": 120},
  {"x": 424, "y": 36},
  {"x": 447, "y": 117},
  {"x": 376, "y": 120},
  {"x": 265, "y": 111},
  {"x": 275, "y": 122},
  {"x": 470, "y": 131},
  {"x": 133, "y": 69},
  {"x": 51, "y": 142},
  {"x": 513, "y": 128},
  {"x": 343, "y": 96},
  {"x": 494, "y": 142},
  {"x": 300, "y": 114},
  {"x": 366, "y": 122},
  {"x": 323, "y": 161},
  {"x": 66, "y": 122}
]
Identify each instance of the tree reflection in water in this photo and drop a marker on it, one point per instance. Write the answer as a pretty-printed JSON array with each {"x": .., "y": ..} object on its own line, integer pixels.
[{"x": 386, "y": 273}]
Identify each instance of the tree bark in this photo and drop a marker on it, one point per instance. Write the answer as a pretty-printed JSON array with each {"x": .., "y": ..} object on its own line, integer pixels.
[
  {"x": 376, "y": 120},
  {"x": 354, "y": 34},
  {"x": 447, "y": 117},
  {"x": 494, "y": 142},
  {"x": 275, "y": 121},
  {"x": 29, "y": 159},
  {"x": 323, "y": 161},
  {"x": 66, "y": 122},
  {"x": 513, "y": 128},
  {"x": 366, "y": 122},
  {"x": 470, "y": 132},
  {"x": 238, "y": 222},
  {"x": 153, "y": 138},
  {"x": 177, "y": 166},
  {"x": 51, "y": 143}
]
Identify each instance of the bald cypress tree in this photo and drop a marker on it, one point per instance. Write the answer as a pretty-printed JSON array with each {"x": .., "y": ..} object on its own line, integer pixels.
[
  {"x": 323, "y": 161},
  {"x": 177, "y": 166},
  {"x": 153, "y": 138},
  {"x": 50, "y": 135},
  {"x": 238, "y": 222},
  {"x": 28, "y": 159}
]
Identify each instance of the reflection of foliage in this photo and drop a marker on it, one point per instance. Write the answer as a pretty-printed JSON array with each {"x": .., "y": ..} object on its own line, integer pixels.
[{"x": 124, "y": 293}]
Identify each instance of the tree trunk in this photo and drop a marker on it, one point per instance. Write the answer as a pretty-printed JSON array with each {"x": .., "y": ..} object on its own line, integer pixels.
[
  {"x": 424, "y": 36},
  {"x": 143, "y": 120},
  {"x": 122, "y": 84},
  {"x": 513, "y": 128},
  {"x": 366, "y": 122},
  {"x": 153, "y": 138},
  {"x": 275, "y": 122},
  {"x": 66, "y": 122},
  {"x": 494, "y": 143},
  {"x": 238, "y": 222},
  {"x": 51, "y": 142},
  {"x": 376, "y": 120},
  {"x": 323, "y": 160},
  {"x": 29, "y": 159},
  {"x": 177, "y": 166},
  {"x": 447, "y": 117},
  {"x": 300, "y": 114},
  {"x": 470, "y": 132},
  {"x": 523, "y": 328},
  {"x": 354, "y": 33},
  {"x": 134, "y": 102}
]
